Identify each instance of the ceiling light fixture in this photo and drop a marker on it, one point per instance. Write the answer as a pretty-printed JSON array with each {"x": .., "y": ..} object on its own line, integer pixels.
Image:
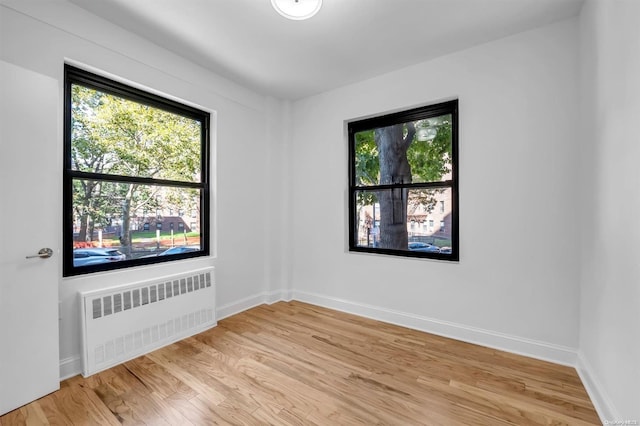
[{"x": 297, "y": 9}]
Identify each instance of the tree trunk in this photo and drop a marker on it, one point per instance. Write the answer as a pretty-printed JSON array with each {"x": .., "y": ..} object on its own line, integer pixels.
[
  {"x": 90, "y": 228},
  {"x": 82, "y": 234},
  {"x": 125, "y": 238},
  {"x": 392, "y": 146},
  {"x": 85, "y": 217}
]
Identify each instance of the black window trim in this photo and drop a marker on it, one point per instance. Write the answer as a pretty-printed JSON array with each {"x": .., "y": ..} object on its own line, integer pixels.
[
  {"x": 75, "y": 75},
  {"x": 419, "y": 113}
]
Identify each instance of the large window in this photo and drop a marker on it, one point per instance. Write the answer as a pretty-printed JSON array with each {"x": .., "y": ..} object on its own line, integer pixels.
[
  {"x": 132, "y": 160},
  {"x": 403, "y": 174}
]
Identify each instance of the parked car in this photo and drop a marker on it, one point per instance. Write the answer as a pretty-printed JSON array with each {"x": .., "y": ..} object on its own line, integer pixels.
[
  {"x": 178, "y": 250},
  {"x": 423, "y": 247},
  {"x": 445, "y": 250},
  {"x": 85, "y": 257},
  {"x": 174, "y": 250}
]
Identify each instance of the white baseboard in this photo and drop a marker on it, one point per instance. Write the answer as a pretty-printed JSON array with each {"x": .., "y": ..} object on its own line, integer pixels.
[
  {"x": 532, "y": 348},
  {"x": 279, "y": 296},
  {"x": 252, "y": 301},
  {"x": 69, "y": 367},
  {"x": 601, "y": 402},
  {"x": 239, "y": 306}
]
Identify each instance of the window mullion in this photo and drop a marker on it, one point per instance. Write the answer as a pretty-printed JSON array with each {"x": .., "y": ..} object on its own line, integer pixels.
[
  {"x": 75, "y": 174},
  {"x": 417, "y": 185}
]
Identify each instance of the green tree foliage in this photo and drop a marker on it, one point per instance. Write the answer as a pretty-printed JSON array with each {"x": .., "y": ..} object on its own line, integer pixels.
[
  {"x": 115, "y": 136},
  {"x": 367, "y": 165},
  {"x": 429, "y": 158}
]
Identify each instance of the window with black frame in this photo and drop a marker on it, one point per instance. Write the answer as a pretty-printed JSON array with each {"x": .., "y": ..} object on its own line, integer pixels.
[
  {"x": 403, "y": 183},
  {"x": 132, "y": 160}
]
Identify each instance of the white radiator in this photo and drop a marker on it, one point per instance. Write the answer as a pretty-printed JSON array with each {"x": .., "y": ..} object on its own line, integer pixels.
[{"x": 121, "y": 323}]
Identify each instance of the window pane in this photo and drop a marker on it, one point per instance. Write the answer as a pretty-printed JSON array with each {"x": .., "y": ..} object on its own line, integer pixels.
[
  {"x": 132, "y": 219},
  {"x": 380, "y": 153},
  {"x": 402, "y": 219},
  {"x": 113, "y": 135}
]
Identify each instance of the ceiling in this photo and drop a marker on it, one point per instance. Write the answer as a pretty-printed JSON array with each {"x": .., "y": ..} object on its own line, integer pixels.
[{"x": 248, "y": 42}]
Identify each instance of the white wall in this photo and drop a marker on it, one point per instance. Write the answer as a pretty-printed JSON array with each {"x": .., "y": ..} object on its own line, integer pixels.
[
  {"x": 279, "y": 210},
  {"x": 40, "y": 36},
  {"x": 610, "y": 293},
  {"x": 516, "y": 285}
]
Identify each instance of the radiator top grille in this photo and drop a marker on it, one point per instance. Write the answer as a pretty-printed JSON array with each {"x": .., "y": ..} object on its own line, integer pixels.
[{"x": 135, "y": 298}]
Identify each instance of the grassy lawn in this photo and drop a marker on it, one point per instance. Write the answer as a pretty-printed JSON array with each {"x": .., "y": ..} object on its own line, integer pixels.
[
  {"x": 140, "y": 236},
  {"x": 442, "y": 242},
  {"x": 146, "y": 238}
]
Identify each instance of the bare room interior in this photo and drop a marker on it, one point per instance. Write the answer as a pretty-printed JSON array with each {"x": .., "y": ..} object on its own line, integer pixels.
[{"x": 271, "y": 265}]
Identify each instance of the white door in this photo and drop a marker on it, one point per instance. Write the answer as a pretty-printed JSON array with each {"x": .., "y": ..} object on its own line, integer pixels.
[{"x": 30, "y": 219}]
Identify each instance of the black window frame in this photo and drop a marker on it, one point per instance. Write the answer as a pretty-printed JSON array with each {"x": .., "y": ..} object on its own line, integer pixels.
[
  {"x": 74, "y": 75},
  {"x": 414, "y": 114}
]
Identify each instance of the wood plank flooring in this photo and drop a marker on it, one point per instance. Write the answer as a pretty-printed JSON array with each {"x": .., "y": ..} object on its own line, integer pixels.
[{"x": 298, "y": 364}]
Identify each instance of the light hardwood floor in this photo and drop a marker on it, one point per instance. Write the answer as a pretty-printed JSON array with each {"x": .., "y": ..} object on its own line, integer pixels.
[{"x": 295, "y": 363}]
